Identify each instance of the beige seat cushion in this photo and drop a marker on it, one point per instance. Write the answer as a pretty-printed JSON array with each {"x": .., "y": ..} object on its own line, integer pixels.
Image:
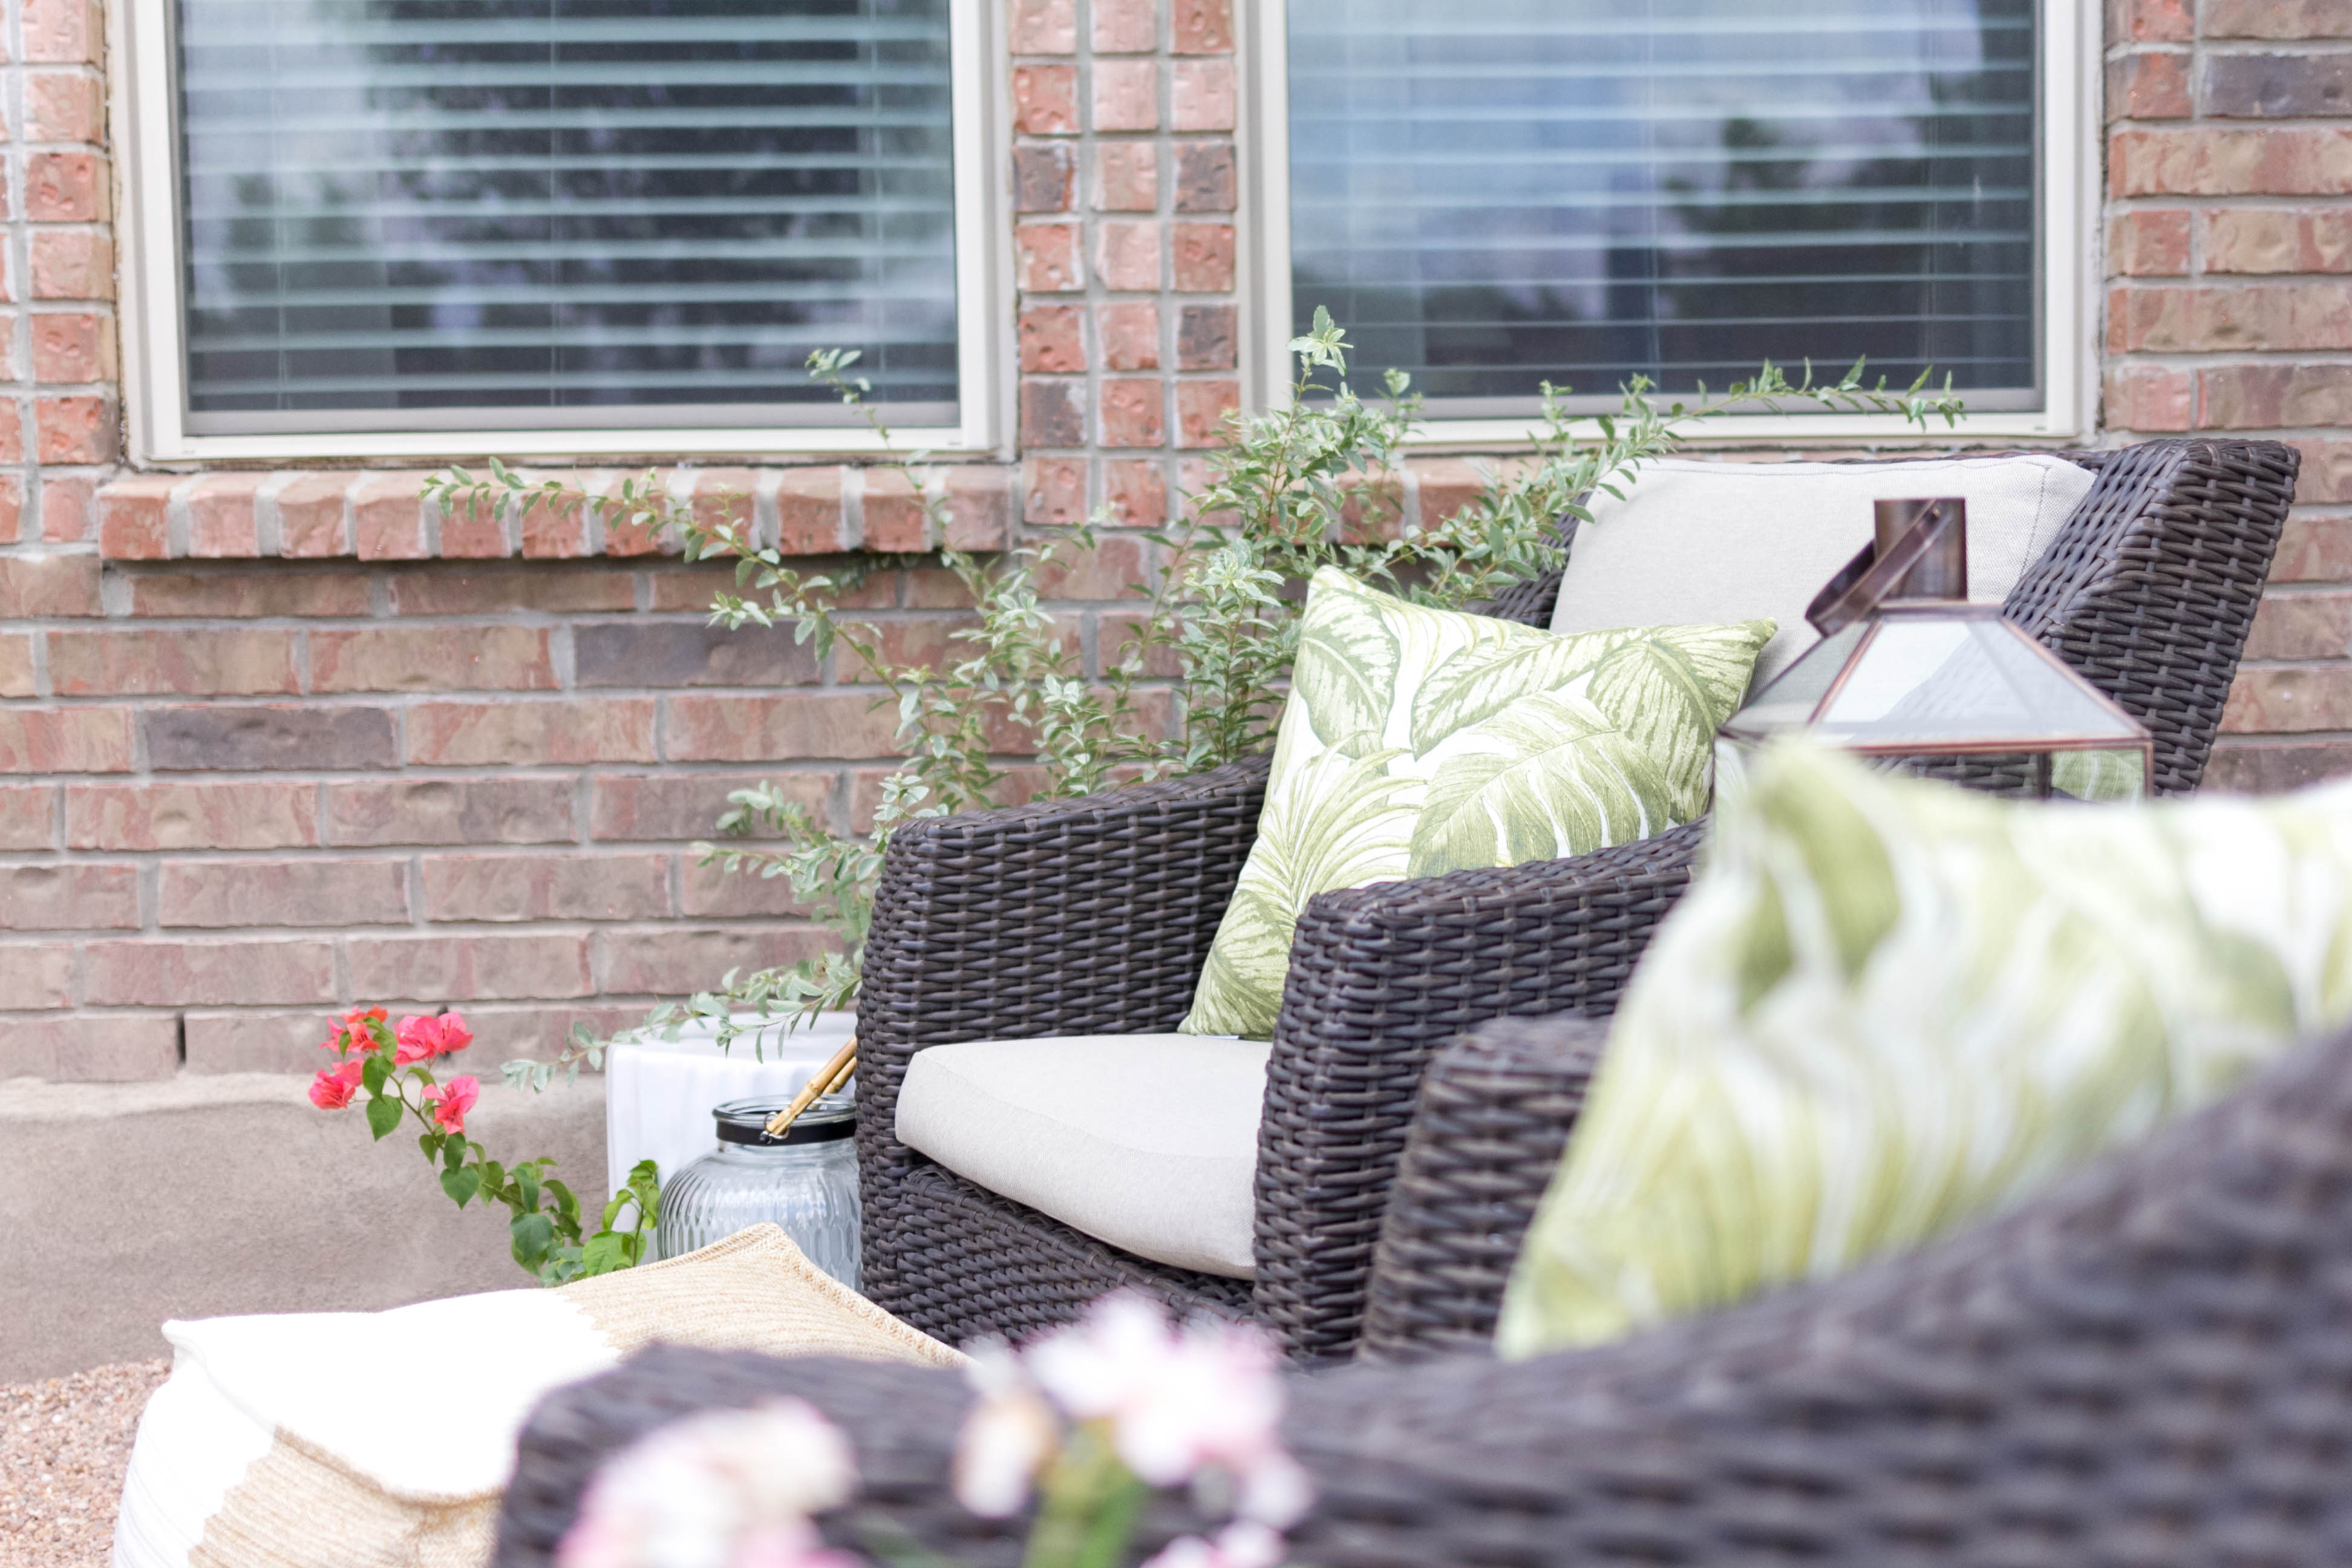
[
  {"x": 1146, "y": 1141},
  {"x": 1730, "y": 541}
]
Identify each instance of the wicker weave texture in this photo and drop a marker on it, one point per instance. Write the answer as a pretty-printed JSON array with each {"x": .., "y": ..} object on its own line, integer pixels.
[
  {"x": 1495, "y": 1114},
  {"x": 2150, "y": 1366}
]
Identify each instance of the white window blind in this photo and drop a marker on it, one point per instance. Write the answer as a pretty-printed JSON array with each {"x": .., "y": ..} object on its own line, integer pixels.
[
  {"x": 419, "y": 215},
  {"x": 1490, "y": 196}
]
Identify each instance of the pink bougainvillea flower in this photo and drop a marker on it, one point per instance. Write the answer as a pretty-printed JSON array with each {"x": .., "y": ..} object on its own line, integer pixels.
[
  {"x": 451, "y": 1101},
  {"x": 422, "y": 1038},
  {"x": 726, "y": 1489},
  {"x": 1006, "y": 1440},
  {"x": 330, "y": 1091},
  {"x": 413, "y": 1043}
]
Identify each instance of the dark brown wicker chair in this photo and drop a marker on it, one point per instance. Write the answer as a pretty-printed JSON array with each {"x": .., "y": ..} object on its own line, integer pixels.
[
  {"x": 2150, "y": 1366},
  {"x": 1094, "y": 916}
]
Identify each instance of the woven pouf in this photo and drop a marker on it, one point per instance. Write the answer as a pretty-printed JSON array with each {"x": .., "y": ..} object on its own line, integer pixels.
[{"x": 330, "y": 1439}]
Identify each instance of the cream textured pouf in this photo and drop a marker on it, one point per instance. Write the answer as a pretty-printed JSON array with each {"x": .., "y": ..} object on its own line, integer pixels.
[{"x": 336, "y": 1439}]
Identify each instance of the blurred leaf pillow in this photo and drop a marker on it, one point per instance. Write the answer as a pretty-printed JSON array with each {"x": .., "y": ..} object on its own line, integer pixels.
[
  {"x": 1888, "y": 1005},
  {"x": 1419, "y": 741}
]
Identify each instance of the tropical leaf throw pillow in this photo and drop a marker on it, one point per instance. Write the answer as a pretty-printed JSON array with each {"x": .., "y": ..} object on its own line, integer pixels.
[
  {"x": 1888, "y": 1006},
  {"x": 1418, "y": 741}
]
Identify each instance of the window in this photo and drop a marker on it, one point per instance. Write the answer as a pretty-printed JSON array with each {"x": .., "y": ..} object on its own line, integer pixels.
[
  {"x": 1581, "y": 190},
  {"x": 593, "y": 224}
]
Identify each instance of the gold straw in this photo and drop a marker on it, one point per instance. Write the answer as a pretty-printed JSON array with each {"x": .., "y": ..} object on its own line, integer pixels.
[{"x": 820, "y": 1082}]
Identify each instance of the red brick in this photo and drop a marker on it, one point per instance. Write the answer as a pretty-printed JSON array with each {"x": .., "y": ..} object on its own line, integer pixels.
[
  {"x": 93, "y": 1048},
  {"x": 221, "y": 520},
  {"x": 33, "y": 587},
  {"x": 706, "y": 892},
  {"x": 1044, "y": 177},
  {"x": 680, "y": 806},
  {"x": 1126, "y": 95},
  {"x": 248, "y": 663},
  {"x": 2275, "y": 85},
  {"x": 1136, "y": 493},
  {"x": 1201, "y": 409},
  {"x": 2151, "y": 21},
  {"x": 725, "y": 497},
  {"x": 66, "y": 187},
  {"x": 2149, "y": 398},
  {"x": 130, "y": 518},
  {"x": 65, "y": 741},
  {"x": 1126, "y": 26},
  {"x": 72, "y": 264},
  {"x": 1053, "y": 340},
  {"x": 1044, "y": 27},
  {"x": 2175, "y": 319},
  {"x": 2267, "y": 239},
  {"x": 388, "y": 518},
  {"x": 1131, "y": 413},
  {"x": 561, "y": 886},
  {"x": 64, "y": 106},
  {"x": 213, "y": 737},
  {"x": 208, "y": 973},
  {"x": 672, "y": 962},
  {"x": 62, "y": 32},
  {"x": 1127, "y": 177},
  {"x": 1046, "y": 101},
  {"x": 2275, "y": 19},
  {"x": 72, "y": 346},
  {"x": 1203, "y": 27},
  {"x": 1048, "y": 255},
  {"x": 312, "y": 515},
  {"x": 1204, "y": 258},
  {"x": 69, "y": 510},
  {"x": 896, "y": 519},
  {"x": 1053, "y": 414},
  {"x": 313, "y": 891},
  {"x": 532, "y": 809},
  {"x": 521, "y": 733},
  {"x": 2300, "y": 625},
  {"x": 552, "y": 591},
  {"x": 75, "y": 429},
  {"x": 2326, "y": 475},
  {"x": 2293, "y": 698},
  {"x": 1109, "y": 571},
  {"x": 265, "y": 815},
  {"x": 811, "y": 520},
  {"x": 466, "y": 968},
  {"x": 15, "y": 664},
  {"x": 1206, "y": 180},
  {"x": 2221, "y": 162},
  {"x": 14, "y": 524},
  {"x": 1129, "y": 334},
  {"x": 35, "y": 977},
  {"x": 238, "y": 594},
  {"x": 246, "y": 1041},
  {"x": 1443, "y": 486},
  {"x": 432, "y": 658},
  {"x": 11, "y": 431},
  {"x": 2148, "y": 244},
  {"x": 1206, "y": 337},
  {"x": 1055, "y": 491},
  {"x": 556, "y": 529},
  {"x": 2149, "y": 85},
  {"x": 79, "y": 895},
  {"x": 2313, "y": 550},
  {"x": 788, "y": 727},
  {"x": 2266, "y": 396},
  {"x": 27, "y": 816},
  {"x": 978, "y": 505},
  {"x": 1126, "y": 254},
  {"x": 1202, "y": 98}
]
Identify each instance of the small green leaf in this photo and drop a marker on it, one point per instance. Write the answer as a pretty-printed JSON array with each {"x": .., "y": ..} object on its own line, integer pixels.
[
  {"x": 382, "y": 1115},
  {"x": 461, "y": 1183},
  {"x": 604, "y": 1254},
  {"x": 373, "y": 1072},
  {"x": 533, "y": 1234}
]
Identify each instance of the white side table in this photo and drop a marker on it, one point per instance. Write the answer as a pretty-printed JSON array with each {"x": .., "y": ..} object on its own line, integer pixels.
[{"x": 658, "y": 1093}]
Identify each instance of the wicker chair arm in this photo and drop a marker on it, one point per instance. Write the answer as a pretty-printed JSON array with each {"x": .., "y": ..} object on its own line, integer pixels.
[
  {"x": 1067, "y": 917},
  {"x": 1495, "y": 1109},
  {"x": 1381, "y": 977}
]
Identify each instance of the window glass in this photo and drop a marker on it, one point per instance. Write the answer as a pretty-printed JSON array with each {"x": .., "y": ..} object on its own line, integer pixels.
[
  {"x": 404, "y": 214},
  {"x": 1490, "y": 196}
]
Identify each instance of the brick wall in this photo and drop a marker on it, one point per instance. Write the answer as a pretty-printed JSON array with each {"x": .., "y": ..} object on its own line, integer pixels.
[
  {"x": 273, "y": 743},
  {"x": 2229, "y": 310}
]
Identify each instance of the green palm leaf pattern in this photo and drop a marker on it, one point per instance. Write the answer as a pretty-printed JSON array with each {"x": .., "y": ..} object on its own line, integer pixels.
[
  {"x": 1417, "y": 740},
  {"x": 1887, "y": 1006},
  {"x": 1549, "y": 771}
]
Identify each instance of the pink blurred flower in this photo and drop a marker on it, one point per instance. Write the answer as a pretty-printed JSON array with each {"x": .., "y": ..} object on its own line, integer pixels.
[
  {"x": 451, "y": 1101},
  {"x": 423, "y": 1038},
  {"x": 1242, "y": 1544},
  {"x": 726, "y": 1489},
  {"x": 1006, "y": 1440},
  {"x": 330, "y": 1091}
]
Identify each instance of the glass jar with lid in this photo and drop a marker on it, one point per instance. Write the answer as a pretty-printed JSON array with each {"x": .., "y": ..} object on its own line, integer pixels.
[{"x": 805, "y": 1182}]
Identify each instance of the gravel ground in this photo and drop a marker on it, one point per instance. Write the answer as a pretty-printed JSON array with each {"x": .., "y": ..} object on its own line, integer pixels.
[{"x": 64, "y": 1445}]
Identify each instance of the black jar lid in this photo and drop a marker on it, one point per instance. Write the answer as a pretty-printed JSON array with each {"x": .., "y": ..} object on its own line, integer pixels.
[{"x": 829, "y": 1118}]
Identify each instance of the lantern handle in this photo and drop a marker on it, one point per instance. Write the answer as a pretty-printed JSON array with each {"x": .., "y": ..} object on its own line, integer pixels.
[{"x": 1871, "y": 578}]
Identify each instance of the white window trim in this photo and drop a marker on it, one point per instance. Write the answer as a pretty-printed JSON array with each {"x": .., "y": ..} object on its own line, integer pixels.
[
  {"x": 2070, "y": 252},
  {"x": 148, "y": 232}
]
